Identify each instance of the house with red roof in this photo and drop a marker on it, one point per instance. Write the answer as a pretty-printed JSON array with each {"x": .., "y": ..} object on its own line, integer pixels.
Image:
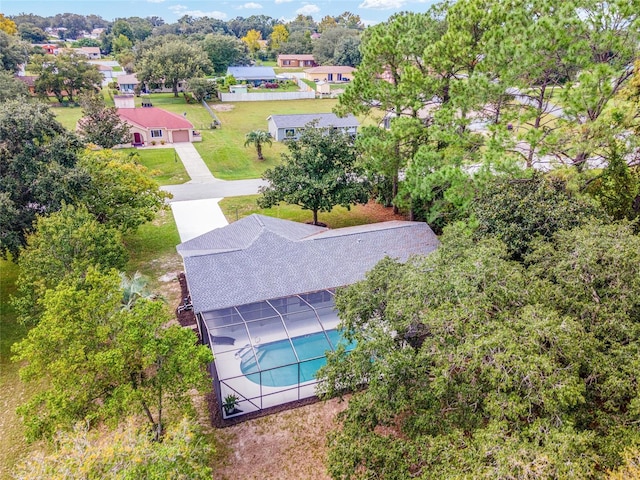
[{"x": 151, "y": 125}]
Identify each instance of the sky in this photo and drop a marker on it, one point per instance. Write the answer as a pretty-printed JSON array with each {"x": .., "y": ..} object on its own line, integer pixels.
[{"x": 370, "y": 11}]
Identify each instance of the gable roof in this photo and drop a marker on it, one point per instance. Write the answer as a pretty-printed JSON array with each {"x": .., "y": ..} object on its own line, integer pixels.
[
  {"x": 252, "y": 73},
  {"x": 131, "y": 79},
  {"x": 330, "y": 69},
  {"x": 153, "y": 117},
  {"x": 324, "y": 120},
  {"x": 259, "y": 258},
  {"x": 90, "y": 50}
]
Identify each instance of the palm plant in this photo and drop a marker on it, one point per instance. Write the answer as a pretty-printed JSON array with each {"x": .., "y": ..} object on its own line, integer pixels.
[
  {"x": 258, "y": 138},
  {"x": 133, "y": 288}
]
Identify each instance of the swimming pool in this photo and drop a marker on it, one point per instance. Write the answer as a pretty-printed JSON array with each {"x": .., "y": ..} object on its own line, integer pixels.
[{"x": 275, "y": 364}]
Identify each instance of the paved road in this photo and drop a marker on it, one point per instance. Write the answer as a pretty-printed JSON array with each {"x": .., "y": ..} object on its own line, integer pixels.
[{"x": 195, "y": 203}]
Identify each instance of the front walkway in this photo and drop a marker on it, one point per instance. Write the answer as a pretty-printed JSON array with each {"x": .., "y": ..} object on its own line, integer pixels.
[{"x": 195, "y": 203}]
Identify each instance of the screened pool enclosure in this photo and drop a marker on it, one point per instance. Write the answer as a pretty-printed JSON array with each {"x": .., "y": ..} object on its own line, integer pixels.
[{"x": 267, "y": 353}]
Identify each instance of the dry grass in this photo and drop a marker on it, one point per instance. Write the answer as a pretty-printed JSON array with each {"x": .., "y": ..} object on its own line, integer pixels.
[{"x": 285, "y": 445}]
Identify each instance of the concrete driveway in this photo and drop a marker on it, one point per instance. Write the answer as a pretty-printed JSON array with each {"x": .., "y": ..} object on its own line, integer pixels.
[{"x": 195, "y": 203}]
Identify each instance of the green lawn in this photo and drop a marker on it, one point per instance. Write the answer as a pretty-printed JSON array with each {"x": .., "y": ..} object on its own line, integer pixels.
[
  {"x": 164, "y": 164},
  {"x": 68, "y": 116},
  {"x": 235, "y": 208},
  {"x": 223, "y": 149}
]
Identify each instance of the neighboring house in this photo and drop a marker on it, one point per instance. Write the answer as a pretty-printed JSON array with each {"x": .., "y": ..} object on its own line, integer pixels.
[
  {"x": 289, "y": 127},
  {"x": 128, "y": 83},
  {"x": 262, "y": 290},
  {"x": 29, "y": 81},
  {"x": 253, "y": 75},
  {"x": 297, "y": 61},
  {"x": 49, "y": 48},
  {"x": 151, "y": 125},
  {"x": 330, "y": 73},
  {"x": 92, "y": 53}
]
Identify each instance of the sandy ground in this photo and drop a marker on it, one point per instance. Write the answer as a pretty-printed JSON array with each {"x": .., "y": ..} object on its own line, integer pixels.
[{"x": 286, "y": 445}]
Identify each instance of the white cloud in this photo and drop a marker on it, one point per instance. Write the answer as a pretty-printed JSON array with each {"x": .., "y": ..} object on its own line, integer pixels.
[
  {"x": 278, "y": 2},
  {"x": 308, "y": 9},
  {"x": 155, "y": 1},
  {"x": 251, "y": 5},
  {"x": 182, "y": 10},
  {"x": 382, "y": 4}
]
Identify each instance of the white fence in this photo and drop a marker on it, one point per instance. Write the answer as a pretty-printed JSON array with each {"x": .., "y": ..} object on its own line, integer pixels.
[
  {"x": 262, "y": 97},
  {"x": 305, "y": 92}
]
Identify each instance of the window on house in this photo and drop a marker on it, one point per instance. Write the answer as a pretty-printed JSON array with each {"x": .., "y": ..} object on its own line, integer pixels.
[
  {"x": 289, "y": 133},
  {"x": 329, "y": 77},
  {"x": 156, "y": 133},
  {"x": 339, "y": 77}
]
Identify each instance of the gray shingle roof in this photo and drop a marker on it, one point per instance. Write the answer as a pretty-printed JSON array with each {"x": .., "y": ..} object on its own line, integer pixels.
[
  {"x": 259, "y": 258},
  {"x": 324, "y": 120},
  {"x": 252, "y": 73}
]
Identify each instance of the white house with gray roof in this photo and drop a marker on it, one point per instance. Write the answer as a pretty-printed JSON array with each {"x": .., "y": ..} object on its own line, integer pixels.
[
  {"x": 289, "y": 127},
  {"x": 262, "y": 290}
]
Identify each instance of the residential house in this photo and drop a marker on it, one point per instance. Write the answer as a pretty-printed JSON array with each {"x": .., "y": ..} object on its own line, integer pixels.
[
  {"x": 297, "y": 61},
  {"x": 289, "y": 127},
  {"x": 263, "y": 290},
  {"x": 92, "y": 53},
  {"x": 253, "y": 75},
  {"x": 49, "y": 48},
  {"x": 330, "y": 73},
  {"x": 29, "y": 81},
  {"x": 151, "y": 125},
  {"x": 128, "y": 83}
]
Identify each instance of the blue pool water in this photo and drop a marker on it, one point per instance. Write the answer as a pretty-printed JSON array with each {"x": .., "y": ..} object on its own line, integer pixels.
[{"x": 278, "y": 363}]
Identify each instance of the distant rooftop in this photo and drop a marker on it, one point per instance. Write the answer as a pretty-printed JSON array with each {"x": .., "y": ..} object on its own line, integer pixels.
[
  {"x": 323, "y": 119},
  {"x": 252, "y": 73}
]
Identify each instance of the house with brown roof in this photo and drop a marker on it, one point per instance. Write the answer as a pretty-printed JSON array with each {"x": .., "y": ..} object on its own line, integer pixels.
[
  {"x": 92, "y": 53},
  {"x": 330, "y": 73},
  {"x": 151, "y": 125},
  {"x": 296, "y": 61}
]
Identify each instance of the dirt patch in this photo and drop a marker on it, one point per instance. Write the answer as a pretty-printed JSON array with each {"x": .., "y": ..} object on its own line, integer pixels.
[
  {"x": 379, "y": 213},
  {"x": 184, "y": 311},
  {"x": 286, "y": 445},
  {"x": 222, "y": 107}
]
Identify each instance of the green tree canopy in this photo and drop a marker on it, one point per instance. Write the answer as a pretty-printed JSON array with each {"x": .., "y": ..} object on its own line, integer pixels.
[
  {"x": 203, "y": 88},
  {"x": 37, "y": 169},
  {"x": 103, "y": 362},
  {"x": 101, "y": 125},
  {"x": 120, "y": 194},
  {"x": 478, "y": 366},
  {"x": 225, "y": 50},
  {"x": 171, "y": 62},
  {"x": 13, "y": 52},
  {"x": 63, "y": 246},
  {"x": 318, "y": 173},
  {"x": 517, "y": 210},
  {"x": 65, "y": 75},
  {"x": 10, "y": 87}
]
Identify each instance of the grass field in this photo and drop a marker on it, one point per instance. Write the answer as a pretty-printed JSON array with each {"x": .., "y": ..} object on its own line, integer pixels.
[
  {"x": 223, "y": 149},
  {"x": 164, "y": 165},
  {"x": 235, "y": 208}
]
